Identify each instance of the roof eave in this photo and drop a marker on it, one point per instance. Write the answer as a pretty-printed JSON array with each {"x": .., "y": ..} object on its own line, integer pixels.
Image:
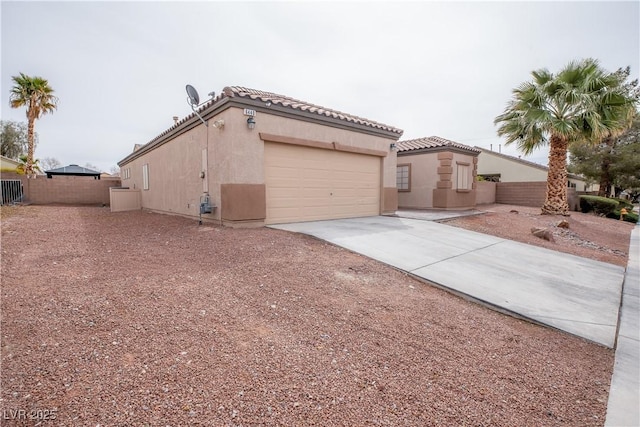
[
  {"x": 226, "y": 102},
  {"x": 290, "y": 112},
  {"x": 438, "y": 149}
]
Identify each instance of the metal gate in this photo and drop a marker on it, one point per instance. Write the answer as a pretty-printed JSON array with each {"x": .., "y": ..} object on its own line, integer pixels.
[{"x": 11, "y": 191}]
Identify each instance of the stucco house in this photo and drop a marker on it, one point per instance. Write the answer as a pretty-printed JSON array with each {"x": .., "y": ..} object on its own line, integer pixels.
[
  {"x": 436, "y": 173},
  {"x": 498, "y": 167},
  {"x": 263, "y": 158},
  {"x": 8, "y": 165}
]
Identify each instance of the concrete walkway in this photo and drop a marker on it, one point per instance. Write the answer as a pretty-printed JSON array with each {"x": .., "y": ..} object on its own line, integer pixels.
[
  {"x": 623, "y": 408},
  {"x": 574, "y": 294}
]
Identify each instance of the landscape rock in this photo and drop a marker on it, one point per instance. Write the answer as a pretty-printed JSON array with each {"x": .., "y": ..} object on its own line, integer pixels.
[
  {"x": 563, "y": 224},
  {"x": 542, "y": 233}
]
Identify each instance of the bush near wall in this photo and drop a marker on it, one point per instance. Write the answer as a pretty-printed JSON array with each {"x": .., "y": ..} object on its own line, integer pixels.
[
  {"x": 598, "y": 205},
  {"x": 607, "y": 207},
  {"x": 629, "y": 217}
]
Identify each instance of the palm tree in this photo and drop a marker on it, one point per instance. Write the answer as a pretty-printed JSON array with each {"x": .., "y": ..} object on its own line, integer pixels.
[
  {"x": 582, "y": 103},
  {"x": 36, "y": 94},
  {"x": 21, "y": 169}
]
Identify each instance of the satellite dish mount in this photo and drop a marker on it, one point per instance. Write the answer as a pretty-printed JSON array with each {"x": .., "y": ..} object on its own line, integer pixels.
[{"x": 194, "y": 100}]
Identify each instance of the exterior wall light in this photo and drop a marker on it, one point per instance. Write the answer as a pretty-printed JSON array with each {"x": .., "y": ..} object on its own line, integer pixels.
[
  {"x": 392, "y": 146},
  {"x": 251, "y": 123}
]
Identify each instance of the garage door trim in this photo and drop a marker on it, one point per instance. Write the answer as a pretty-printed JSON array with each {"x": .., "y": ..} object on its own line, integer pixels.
[{"x": 267, "y": 137}]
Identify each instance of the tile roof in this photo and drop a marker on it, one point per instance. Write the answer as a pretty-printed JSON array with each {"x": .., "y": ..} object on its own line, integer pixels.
[
  {"x": 285, "y": 101},
  {"x": 432, "y": 142}
]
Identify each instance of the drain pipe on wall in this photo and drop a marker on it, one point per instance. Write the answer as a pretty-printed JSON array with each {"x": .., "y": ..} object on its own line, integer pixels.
[{"x": 205, "y": 201}]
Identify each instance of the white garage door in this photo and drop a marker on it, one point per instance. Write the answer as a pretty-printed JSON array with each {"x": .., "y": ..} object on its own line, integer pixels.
[{"x": 307, "y": 184}]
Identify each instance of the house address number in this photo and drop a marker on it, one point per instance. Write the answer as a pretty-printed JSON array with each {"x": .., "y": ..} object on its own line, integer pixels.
[{"x": 248, "y": 112}]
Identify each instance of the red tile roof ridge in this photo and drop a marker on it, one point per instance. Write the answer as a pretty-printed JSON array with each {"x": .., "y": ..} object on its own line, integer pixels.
[
  {"x": 432, "y": 142},
  {"x": 296, "y": 104},
  {"x": 285, "y": 101}
]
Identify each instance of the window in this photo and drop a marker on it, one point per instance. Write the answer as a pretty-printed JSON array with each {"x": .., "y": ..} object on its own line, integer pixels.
[
  {"x": 145, "y": 177},
  {"x": 126, "y": 173},
  {"x": 491, "y": 177},
  {"x": 463, "y": 175},
  {"x": 403, "y": 177}
]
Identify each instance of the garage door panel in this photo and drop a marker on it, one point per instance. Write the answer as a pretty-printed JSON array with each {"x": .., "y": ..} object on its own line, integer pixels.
[
  {"x": 319, "y": 174},
  {"x": 354, "y": 176},
  {"x": 306, "y": 184},
  {"x": 279, "y": 172},
  {"x": 314, "y": 193},
  {"x": 313, "y": 202},
  {"x": 313, "y": 183}
]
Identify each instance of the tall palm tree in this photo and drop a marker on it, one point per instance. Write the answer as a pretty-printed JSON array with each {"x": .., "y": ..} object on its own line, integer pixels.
[
  {"x": 36, "y": 94},
  {"x": 581, "y": 103},
  {"x": 22, "y": 166}
]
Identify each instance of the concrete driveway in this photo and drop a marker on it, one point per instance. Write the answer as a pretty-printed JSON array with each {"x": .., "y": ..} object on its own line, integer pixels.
[{"x": 574, "y": 294}]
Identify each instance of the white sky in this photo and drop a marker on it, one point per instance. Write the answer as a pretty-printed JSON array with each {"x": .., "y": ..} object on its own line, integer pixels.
[{"x": 430, "y": 68}]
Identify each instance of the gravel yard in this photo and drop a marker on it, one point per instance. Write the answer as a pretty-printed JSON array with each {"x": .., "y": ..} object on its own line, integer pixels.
[
  {"x": 589, "y": 236},
  {"x": 136, "y": 318}
]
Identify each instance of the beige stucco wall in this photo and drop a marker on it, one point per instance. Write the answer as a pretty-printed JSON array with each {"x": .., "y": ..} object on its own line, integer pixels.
[
  {"x": 582, "y": 186},
  {"x": 7, "y": 164},
  {"x": 509, "y": 170},
  {"x": 424, "y": 175},
  {"x": 462, "y": 158},
  {"x": 174, "y": 174},
  {"x": 512, "y": 171},
  {"x": 485, "y": 192},
  {"x": 235, "y": 156},
  {"x": 124, "y": 199}
]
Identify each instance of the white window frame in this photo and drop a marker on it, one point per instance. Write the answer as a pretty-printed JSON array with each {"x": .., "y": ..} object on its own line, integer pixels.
[
  {"x": 145, "y": 176},
  {"x": 400, "y": 178},
  {"x": 463, "y": 176}
]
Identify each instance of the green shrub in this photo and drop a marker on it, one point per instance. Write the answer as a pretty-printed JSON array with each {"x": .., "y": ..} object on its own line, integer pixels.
[
  {"x": 629, "y": 217},
  {"x": 622, "y": 203},
  {"x": 598, "y": 205}
]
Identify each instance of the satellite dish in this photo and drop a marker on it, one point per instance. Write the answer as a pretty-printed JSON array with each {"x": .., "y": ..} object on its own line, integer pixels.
[{"x": 194, "y": 99}]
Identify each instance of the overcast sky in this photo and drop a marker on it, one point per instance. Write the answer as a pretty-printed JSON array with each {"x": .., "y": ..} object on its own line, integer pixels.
[{"x": 429, "y": 68}]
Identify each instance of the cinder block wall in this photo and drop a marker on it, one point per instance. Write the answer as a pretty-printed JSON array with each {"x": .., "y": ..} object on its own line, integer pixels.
[
  {"x": 529, "y": 194},
  {"x": 73, "y": 190}
]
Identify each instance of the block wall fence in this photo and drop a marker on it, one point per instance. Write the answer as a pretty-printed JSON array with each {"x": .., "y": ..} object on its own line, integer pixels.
[
  {"x": 88, "y": 191},
  {"x": 73, "y": 190},
  {"x": 529, "y": 194}
]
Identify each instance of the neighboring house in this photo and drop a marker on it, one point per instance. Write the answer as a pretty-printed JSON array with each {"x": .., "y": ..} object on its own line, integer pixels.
[
  {"x": 265, "y": 158},
  {"x": 435, "y": 173},
  {"x": 8, "y": 165},
  {"x": 73, "y": 170},
  {"x": 500, "y": 167}
]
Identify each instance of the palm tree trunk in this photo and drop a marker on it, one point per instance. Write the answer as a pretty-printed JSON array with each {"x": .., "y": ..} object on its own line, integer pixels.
[
  {"x": 28, "y": 170},
  {"x": 605, "y": 174},
  {"x": 556, "y": 198}
]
